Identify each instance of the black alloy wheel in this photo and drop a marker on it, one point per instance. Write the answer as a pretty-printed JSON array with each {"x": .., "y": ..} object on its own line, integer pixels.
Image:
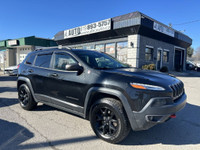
[
  {"x": 106, "y": 122},
  {"x": 109, "y": 121},
  {"x": 25, "y": 98}
]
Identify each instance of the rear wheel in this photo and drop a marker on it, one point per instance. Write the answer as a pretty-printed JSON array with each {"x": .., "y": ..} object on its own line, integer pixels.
[
  {"x": 109, "y": 121},
  {"x": 25, "y": 98}
]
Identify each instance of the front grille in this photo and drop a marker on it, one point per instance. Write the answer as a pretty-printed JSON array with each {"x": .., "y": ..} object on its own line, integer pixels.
[{"x": 177, "y": 89}]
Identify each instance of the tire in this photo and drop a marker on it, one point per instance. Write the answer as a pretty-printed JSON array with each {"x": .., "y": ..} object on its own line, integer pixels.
[
  {"x": 109, "y": 121},
  {"x": 25, "y": 98}
]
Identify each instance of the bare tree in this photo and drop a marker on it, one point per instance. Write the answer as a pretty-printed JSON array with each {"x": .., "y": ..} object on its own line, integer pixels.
[
  {"x": 190, "y": 51},
  {"x": 196, "y": 56}
]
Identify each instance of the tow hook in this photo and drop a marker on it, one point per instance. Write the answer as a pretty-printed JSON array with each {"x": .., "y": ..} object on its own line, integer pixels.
[{"x": 173, "y": 116}]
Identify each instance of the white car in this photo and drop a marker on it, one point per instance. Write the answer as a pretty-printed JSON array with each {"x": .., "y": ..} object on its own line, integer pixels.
[
  {"x": 12, "y": 70},
  {"x": 198, "y": 65}
]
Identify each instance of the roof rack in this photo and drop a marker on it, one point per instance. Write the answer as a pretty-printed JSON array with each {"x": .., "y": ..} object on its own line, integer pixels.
[{"x": 59, "y": 47}]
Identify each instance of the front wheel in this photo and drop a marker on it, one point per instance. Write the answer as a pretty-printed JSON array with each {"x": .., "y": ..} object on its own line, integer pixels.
[
  {"x": 25, "y": 98},
  {"x": 109, "y": 121}
]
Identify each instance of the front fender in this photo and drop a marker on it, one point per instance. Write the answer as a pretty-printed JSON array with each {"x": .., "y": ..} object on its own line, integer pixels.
[{"x": 116, "y": 93}]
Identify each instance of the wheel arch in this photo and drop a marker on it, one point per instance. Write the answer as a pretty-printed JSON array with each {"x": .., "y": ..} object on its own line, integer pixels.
[
  {"x": 25, "y": 80},
  {"x": 100, "y": 92},
  {"x": 19, "y": 83}
]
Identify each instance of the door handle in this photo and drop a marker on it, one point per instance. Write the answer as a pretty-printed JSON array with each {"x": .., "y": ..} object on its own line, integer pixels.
[
  {"x": 30, "y": 70},
  {"x": 53, "y": 75}
]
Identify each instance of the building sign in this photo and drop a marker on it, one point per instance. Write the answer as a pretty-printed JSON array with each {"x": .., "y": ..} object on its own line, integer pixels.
[
  {"x": 127, "y": 23},
  {"x": 160, "y": 28},
  {"x": 99, "y": 26},
  {"x": 12, "y": 42}
]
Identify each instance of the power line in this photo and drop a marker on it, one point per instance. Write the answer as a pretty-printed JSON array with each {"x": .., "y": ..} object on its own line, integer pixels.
[{"x": 187, "y": 22}]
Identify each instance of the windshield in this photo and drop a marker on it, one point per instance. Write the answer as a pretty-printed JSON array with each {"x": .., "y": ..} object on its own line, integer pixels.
[{"x": 99, "y": 60}]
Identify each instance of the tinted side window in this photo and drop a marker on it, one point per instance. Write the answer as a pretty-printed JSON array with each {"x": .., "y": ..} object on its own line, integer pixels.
[
  {"x": 43, "y": 60},
  {"x": 63, "y": 59},
  {"x": 30, "y": 60}
]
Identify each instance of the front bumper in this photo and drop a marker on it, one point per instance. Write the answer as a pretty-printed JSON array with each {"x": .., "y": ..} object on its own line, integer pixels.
[
  {"x": 151, "y": 115},
  {"x": 11, "y": 72}
]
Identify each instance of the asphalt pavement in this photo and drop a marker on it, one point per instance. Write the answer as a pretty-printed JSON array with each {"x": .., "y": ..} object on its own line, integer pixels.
[{"x": 52, "y": 129}]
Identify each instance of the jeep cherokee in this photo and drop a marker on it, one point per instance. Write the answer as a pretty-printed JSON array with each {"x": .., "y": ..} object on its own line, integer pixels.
[{"x": 95, "y": 86}]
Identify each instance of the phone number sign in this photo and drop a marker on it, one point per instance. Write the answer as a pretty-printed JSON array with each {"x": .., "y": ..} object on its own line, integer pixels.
[{"x": 95, "y": 27}]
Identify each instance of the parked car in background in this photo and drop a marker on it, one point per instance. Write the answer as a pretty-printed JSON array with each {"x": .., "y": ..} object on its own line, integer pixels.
[
  {"x": 12, "y": 70},
  {"x": 191, "y": 65},
  {"x": 198, "y": 66}
]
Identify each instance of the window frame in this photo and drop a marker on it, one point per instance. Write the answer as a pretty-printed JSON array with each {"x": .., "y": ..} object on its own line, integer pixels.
[
  {"x": 152, "y": 52},
  {"x": 29, "y": 58},
  {"x": 43, "y": 53},
  {"x": 118, "y": 51},
  {"x": 111, "y": 43},
  {"x": 103, "y": 50},
  {"x": 53, "y": 61},
  {"x": 167, "y": 51}
]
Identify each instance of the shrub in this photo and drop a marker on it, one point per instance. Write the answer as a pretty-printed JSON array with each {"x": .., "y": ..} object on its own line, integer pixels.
[
  {"x": 149, "y": 67},
  {"x": 144, "y": 67}
]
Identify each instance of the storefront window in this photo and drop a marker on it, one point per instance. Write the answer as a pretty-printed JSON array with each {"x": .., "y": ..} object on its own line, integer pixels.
[
  {"x": 100, "y": 47},
  {"x": 79, "y": 47},
  {"x": 148, "y": 54},
  {"x": 166, "y": 56},
  {"x": 122, "y": 48},
  {"x": 159, "y": 55},
  {"x": 110, "y": 49},
  {"x": 89, "y": 47}
]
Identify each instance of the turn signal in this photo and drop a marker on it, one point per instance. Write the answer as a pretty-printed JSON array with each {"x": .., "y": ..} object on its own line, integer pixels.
[
  {"x": 146, "y": 86},
  {"x": 138, "y": 86}
]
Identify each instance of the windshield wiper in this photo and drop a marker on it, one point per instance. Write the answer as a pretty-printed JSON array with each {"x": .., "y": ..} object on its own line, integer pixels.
[
  {"x": 103, "y": 68},
  {"x": 120, "y": 67}
]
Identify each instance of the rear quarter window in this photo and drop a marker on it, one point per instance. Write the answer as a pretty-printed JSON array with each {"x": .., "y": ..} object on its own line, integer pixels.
[{"x": 30, "y": 59}]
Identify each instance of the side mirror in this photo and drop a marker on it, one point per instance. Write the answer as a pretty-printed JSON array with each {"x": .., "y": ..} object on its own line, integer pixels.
[{"x": 74, "y": 67}]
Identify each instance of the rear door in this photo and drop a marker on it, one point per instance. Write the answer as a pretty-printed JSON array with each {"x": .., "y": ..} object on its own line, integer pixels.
[{"x": 39, "y": 73}]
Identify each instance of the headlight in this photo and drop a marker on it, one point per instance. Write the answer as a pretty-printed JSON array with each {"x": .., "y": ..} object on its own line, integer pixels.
[{"x": 147, "y": 86}]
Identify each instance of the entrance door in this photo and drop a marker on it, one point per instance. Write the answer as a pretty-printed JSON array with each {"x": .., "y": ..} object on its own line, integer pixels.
[
  {"x": 178, "y": 60},
  {"x": 159, "y": 59}
]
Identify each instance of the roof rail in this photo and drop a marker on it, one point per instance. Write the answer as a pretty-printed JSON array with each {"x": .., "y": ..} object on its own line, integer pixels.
[{"x": 59, "y": 47}]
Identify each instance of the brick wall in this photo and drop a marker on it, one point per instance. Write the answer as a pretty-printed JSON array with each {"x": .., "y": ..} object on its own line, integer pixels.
[{"x": 133, "y": 50}]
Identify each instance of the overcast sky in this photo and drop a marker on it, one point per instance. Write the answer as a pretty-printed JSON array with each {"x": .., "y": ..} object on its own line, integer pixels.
[{"x": 44, "y": 18}]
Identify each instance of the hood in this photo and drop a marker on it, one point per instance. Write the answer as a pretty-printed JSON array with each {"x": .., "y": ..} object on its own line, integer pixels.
[{"x": 148, "y": 75}]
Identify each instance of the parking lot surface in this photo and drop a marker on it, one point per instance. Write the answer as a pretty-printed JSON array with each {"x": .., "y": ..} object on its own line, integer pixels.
[{"x": 49, "y": 128}]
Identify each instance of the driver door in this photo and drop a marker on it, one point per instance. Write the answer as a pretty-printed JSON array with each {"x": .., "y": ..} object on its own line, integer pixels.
[{"x": 67, "y": 87}]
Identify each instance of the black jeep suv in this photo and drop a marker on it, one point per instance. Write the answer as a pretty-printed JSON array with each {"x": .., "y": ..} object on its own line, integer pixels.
[{"x": 95, "y": 86}]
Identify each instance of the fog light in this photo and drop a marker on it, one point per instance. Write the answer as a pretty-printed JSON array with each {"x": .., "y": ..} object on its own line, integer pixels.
[
  {"x": 155, "y": 118},
  {"x": 150, "y": 118},
  {"x": 159, "y": 102}
]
